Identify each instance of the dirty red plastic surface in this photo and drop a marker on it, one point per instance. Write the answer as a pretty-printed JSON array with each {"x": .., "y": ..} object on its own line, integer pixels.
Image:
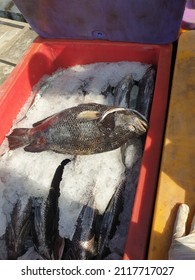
[{"x": 46, "y": 56}]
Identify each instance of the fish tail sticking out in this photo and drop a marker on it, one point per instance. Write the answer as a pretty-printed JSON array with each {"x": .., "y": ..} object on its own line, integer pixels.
[{"x": 18, "y": 138}]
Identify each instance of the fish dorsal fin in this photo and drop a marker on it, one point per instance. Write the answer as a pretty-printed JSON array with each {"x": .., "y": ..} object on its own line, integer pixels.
[
  {"x": 87, "y": 104},
  {"x": 88, "y": 115},
  {"x": 41, "y": 121}
]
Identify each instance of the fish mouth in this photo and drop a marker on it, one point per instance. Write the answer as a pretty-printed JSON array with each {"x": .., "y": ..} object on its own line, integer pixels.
[{"x": 143, "y": 124}]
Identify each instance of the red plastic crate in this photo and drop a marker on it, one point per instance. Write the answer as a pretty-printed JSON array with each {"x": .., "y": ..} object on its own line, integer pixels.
[{"x": 46, "y": 56}]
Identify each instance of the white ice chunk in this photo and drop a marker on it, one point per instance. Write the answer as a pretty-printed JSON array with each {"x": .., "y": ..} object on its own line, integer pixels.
[{"x": 96, "y": 175}]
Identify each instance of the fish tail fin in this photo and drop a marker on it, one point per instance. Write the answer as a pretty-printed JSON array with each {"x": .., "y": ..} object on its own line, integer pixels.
[{"x": 18, "y": 138}]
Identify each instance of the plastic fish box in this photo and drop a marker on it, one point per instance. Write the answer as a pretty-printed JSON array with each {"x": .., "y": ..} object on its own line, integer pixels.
[
  {"x": 176, "y": 177},
  {"x": 151, "y": 21},
  {"x": 46, "y": 56}
]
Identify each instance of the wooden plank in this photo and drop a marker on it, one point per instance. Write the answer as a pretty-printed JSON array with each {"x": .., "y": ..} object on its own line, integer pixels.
[
  {"x": 177, "y": 177},
  {"x": 15, "y": 38},
  {"x": 14, "y": 23},
  {"x": 5, "y": 70},
  {"x": 18, "y": 46}
]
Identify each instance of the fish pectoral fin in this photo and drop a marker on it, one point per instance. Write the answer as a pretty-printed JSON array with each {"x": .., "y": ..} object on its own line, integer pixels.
[
  {"x": 35, "y": 147},
  {"x": 88, "y": 115}
]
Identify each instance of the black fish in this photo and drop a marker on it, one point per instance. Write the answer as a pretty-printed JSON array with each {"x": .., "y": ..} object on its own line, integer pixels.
[
  {"x": 18, "y": 230},
  {"x": 109, "y": 220},
  {"x": 146, "y": 90},
  {"x": 109, "y": 91},
  {"x": 45, "y": 219},
  {"x": 133, "y": 97},
  {"x": 122, "y": 91},
  {"x": 83, "y": 245},
  {"x": 84, "y": 129}
]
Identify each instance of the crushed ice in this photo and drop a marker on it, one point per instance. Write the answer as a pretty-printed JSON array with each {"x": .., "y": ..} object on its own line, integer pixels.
[{"x": 25, "y": 174}]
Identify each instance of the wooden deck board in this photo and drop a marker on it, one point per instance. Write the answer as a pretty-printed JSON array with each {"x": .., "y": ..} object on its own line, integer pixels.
[
  {"x": 177, "y": 174},
  {"x": 15, "y": 38}
]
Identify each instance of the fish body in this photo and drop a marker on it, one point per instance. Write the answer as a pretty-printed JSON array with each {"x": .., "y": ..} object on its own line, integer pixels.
[
  {"x": 83, "y": 244},
  {"x": 45, "y": 219},
  {"x": 18, "y": 229},
  {"x": 133, "y": 97},
  {"x": 55, "y": 241},
  {"x": 107, "y": 226},
  {"x": 30, "y": 254},
  {"x": 3, "y": 248},
  {"x": 122, "y": 91},
  {"x": 83, "y": 129},
  {"x": 39, "y": 227},
  {"x": 145, "y": 94}
]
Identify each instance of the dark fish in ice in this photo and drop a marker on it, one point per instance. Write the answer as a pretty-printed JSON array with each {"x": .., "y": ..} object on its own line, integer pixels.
[
  {"x": 55, "y": 241},
  {"x": 45, "y": 219},
  {"x": 145, "y": 94},
  {"x": 107, "y": 226},
  {"x": 133, "y": 97},
  {"x": 84, "y": 86},
  {"x": 18, "y": 229},
  {"x": 31, "y": 254},
  {"x": 83, "y": 245},
  {"x": 109, "y": 91},
  {"x": 84, "y": 129},
  {"x": 3, "y": 248},
  {"x": 122, "y": 92},
  {"x": 39, "y": 227}
]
